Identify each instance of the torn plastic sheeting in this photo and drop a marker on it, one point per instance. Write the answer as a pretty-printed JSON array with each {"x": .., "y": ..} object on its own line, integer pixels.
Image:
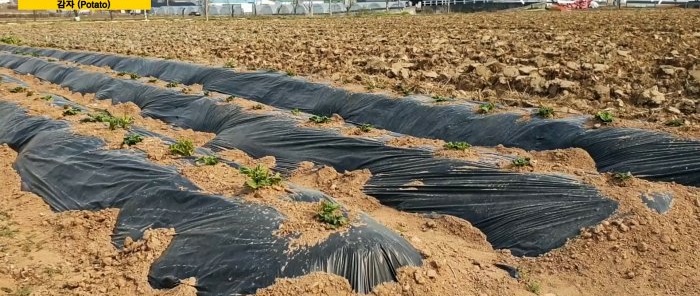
[
  {"x": 660, "y": 202},
  {"x": 407, "y": 116},
  {"x": 526, "y": 230},
  {"x": 227, "y": 244}
]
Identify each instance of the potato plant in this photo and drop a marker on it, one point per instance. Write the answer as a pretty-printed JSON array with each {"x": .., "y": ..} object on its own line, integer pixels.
[
  {"x": 260, "y": 177},
  {"x": 331, "y": 214},
  {"x": 182, "y": 147},
  {"x": 132, "y": 139},
  {"x": 207, "y": 160},
  {"x": 457, "y": 145},
  {"x": 320, "y": 119},
  {"x": 521, "y": 161},
  {"x": 486, "y": 108}
]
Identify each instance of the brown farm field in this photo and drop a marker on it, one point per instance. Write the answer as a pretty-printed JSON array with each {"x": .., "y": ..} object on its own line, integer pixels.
[{"x": 643, "y": 66}]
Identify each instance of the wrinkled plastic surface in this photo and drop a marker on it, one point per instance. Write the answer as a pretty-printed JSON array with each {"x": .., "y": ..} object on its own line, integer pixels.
[
  {"x": 227, "y": 244},
  {"x": 527, "y": 213},
  {"x": 658, "y": 156}
]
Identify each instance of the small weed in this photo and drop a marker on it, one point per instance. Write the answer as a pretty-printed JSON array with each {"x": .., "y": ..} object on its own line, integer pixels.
[
  {"x": 366, "y": 127},
  {"x": 230, "y": 99},
  {"x": 331, "y": 214},
  {"x": 486, "y": 108},
  {"x": 296, "y": 111},
  {"x": 545, "y": 112},
  {"x": 52, "y": 60},
  {"x": 152, "y": 80},
  {"x": 291, "y": 73},
  {"x": 70, "y": 111},
  {"x": 18, "y": 89},
  {"x": 134, "y": 76},
  {"x": 207, "y": 160},
  {"x": 230, "y": 64},
  {"x": 30, "y": 93},
  {"x": 132, "y": 139},
  {"x": 50, "y": 271},
  {"x": 47, "y": 98},
  {"x": 439, "y": 99},
  {"x": 182, "y": 147},
  {"x": 10, "y": 40},
  {"x": 605, "y": 116},
  {"x": 260, "y": 177},
  {"x": 319, "y": 119},
  {"x": 533, "y": 287},
  {"x": 405, "y": 90},
  {"x": 258, "y": 107},
  {"x": 120, "y": 74},
  {"x": 675, "y": 122},
  {"x": 24, "y": 291},
  {"x": 6, "y": 231},
  {"x": 457, "y": 145},
  {"x": 172, "y": 84},
  {"x": 521, "y": 161}
]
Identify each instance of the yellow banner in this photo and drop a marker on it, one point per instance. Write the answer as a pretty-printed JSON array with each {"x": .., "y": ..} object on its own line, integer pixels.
[{"x": 84, "y": 4}]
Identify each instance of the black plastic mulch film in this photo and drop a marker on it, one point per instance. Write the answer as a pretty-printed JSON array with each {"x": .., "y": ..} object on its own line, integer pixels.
[
  {"x": 527, "y": 213},
  {"x": 227, "y": 244},
  {"x": 651, "y": 155}
]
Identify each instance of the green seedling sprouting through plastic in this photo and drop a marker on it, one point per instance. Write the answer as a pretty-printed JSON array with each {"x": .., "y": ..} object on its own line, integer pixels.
[
  {"x": 521, "y": 161},
  {"x": 101, "y": 116},
  {"x": 230, "y": 99},
  {"x": 120, "y": 122},
  {"x": 182, "y": 147},
  {"x": 258, "y": 107},
  {"x": 545, "y": 112},
  {"x": 134, "y": 76},
  {"x": 622, "y": 177},
  {"x": 47, "y": 98},
  {"x": 605, "y": 116},
  {"x": 132, "y": 139},
  {"x": 260, "y": 177},
  {"x": 152, "y": 80},
  {"x": 366, "y": 127},
  {"x": 18, "y": 89},
  {"x": 230, "y": 64},
  {"x": 331, "y": 214},
  {"x": 113, "y": 121},
  {"x": 172, "y": 84},
  {"x": 207, "y": 160},
  {"x": 320, "y": 119},
  {"x": 296, "y": 111},
  {"x": 70, "y": 111},
  {"x": 486, "y": 108},
  {"x": 457, "y": 145}
]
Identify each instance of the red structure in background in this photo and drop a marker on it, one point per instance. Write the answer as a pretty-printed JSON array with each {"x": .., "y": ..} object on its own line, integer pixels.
[{"x": 576, "y": 5}]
